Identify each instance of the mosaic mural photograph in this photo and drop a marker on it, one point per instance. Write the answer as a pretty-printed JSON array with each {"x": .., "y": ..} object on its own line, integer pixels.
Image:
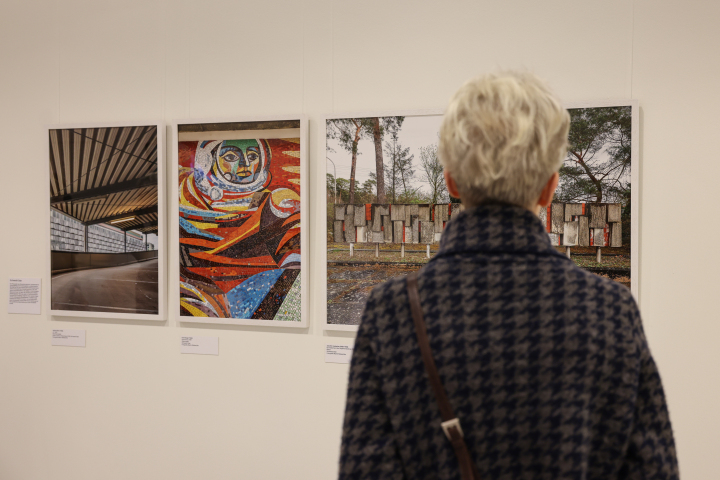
[
  {"x": 104, "y": 235},
  {"x": 387, "y": 204},
  {"x": 239, "y": 220}
]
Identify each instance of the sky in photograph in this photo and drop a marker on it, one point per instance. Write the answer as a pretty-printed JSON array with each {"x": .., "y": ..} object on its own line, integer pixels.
[
  {"x": 602, "y": 157},
  {"x": 416, "y": 131}
]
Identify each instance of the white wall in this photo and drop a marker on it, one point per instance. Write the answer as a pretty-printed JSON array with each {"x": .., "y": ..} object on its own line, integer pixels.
[{"x": 129, "y": 405}]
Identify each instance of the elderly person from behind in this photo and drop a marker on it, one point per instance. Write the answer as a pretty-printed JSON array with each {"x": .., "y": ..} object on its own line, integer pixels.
[{"x": 546, "y": 365}]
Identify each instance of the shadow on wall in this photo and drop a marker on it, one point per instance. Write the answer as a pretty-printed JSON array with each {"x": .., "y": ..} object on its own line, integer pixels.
[{"x": 71, "y": 261}]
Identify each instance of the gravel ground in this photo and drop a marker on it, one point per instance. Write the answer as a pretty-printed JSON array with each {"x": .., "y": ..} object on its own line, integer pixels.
[{"x": 349, "y": 286}]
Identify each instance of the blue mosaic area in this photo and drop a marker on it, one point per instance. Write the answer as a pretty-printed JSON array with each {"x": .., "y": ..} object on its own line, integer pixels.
[{"x": 246, "y": 297}]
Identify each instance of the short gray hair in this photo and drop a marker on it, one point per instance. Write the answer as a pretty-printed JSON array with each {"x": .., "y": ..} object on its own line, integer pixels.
[{"x": 502, "y": 137}]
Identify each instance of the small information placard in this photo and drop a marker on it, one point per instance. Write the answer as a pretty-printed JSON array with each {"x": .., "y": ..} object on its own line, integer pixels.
[
  {"x": 200, "y": 345},
  {"x": 338, "y": 353},
  {"x": 68, "y": 338},
  {"x": 24, "y": 296}
]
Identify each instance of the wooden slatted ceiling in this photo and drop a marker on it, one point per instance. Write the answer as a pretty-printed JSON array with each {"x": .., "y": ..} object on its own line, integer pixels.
[
  {"x": 92, "y": 158},
  {"x": 114, "y": 204}
]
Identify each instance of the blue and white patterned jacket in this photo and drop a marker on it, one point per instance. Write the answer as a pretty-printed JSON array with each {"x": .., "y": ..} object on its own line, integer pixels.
[{"x": 546, "y": 366}]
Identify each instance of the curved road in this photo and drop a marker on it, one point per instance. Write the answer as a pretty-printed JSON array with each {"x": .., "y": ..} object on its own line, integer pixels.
[{"x": 125, "y": 289}]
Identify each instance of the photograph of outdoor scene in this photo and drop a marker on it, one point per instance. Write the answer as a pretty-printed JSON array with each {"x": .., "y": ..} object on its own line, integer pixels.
[
  {"x": 375, "y": 165},
  {"x": 593, "y": 199},
  {"x": 387, "y": 203},
  {"x": 239, "y": 216},
  {"x": 104, "y": 220}
]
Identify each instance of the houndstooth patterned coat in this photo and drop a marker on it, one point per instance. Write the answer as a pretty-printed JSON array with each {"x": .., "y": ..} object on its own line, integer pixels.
[{"x": 545, "y": 364}]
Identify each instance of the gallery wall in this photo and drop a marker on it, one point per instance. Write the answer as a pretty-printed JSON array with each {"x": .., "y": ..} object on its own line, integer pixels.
[{"x": 129, "y": 405}]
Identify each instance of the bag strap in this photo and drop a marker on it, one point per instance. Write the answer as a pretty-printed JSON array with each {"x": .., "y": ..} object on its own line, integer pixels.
[{"x": 450, "y": 424}]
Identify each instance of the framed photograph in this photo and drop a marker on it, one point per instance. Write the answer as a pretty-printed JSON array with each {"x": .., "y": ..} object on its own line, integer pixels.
[
  {"x": 239, "y": 187},
  {"x": 594, "y": 218},
  {"x": 387, "y": 204},
  {"x": 106, "y": 239}
]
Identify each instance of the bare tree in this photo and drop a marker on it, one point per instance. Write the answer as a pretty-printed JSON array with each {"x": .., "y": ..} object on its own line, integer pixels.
[
  {"x": 399, "y": 171},
  {"x": 433, "y": 173}
]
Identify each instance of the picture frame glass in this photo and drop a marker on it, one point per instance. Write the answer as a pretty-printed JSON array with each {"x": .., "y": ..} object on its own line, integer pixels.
[
  {"x": 239, "y": 194},
  {"x": 387, "y": 204},
  {"x": 106, "y": 187}
]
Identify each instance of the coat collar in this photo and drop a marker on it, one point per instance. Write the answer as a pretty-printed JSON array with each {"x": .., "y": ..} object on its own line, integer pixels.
[{"x": 496, "y": 228}]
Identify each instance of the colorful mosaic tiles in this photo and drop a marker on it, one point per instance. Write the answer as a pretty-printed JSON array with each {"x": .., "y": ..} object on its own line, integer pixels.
[{"x": 239, "y": 208}]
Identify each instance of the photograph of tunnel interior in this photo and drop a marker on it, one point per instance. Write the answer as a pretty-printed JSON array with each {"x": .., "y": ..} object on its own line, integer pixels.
[{"x": 104, "y": 220}]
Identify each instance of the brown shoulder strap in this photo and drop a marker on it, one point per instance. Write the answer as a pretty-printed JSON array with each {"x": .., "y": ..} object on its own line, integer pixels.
[{"x": 450, "y": 424}]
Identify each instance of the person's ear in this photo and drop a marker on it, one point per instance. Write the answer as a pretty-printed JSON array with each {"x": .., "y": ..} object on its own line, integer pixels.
[
  {"x": 451, "y": 185},
  {"x": 548, "y": 191}
]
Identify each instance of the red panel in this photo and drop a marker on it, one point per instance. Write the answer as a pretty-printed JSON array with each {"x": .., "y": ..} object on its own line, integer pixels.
[
  {"x": 548, "y": 220},
  {"x": 606, "y": 234}
]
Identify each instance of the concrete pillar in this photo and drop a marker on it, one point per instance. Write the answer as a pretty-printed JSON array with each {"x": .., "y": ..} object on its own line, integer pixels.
[{"x": 351, "y": 249}]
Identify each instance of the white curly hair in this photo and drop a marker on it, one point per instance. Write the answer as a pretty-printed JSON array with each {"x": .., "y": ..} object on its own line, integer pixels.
[{"x": 502, "y": 138}]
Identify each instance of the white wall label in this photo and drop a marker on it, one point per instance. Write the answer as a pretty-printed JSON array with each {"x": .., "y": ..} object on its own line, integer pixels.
[
  {"x": 200, "y": 345},
  {"x": 68, "y": 338},
  {"x": 338, "y": 353},
  {"x": 24, "y": 296}
]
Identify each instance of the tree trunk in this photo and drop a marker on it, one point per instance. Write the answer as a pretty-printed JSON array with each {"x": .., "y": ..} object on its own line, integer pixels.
[
  {"x": 393, "y": 182},
  {"x": 354, "y": 162},
  {"x": 394, "y": 159},
  {"x": 379, "y": 168}
]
